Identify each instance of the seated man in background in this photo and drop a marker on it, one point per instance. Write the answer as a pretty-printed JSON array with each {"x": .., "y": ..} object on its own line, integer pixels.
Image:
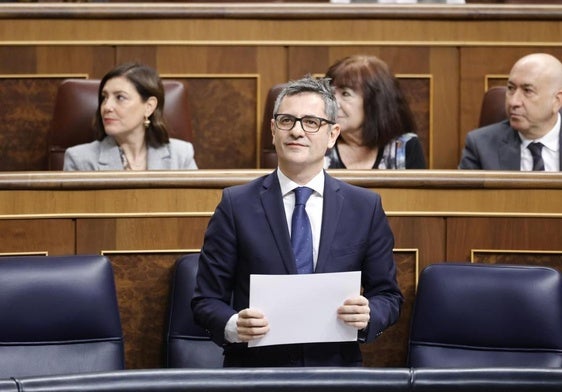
[
  {"x": 251, "y": 233},
  {"x": 530, "y": 139},
  {"x": 129, "y": 122}
]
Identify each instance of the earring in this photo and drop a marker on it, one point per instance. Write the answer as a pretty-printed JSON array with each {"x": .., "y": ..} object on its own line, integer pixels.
[{"x": 146, "y": 122}]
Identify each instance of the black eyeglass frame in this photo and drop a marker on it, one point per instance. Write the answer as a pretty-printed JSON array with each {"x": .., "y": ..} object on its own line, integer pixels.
[{"x": 299, "y": 119}]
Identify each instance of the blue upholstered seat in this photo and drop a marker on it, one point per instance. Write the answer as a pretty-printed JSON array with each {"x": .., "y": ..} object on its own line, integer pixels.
[
  {"x": 58, "y": 315},
  {"x": 485, "y": 315},
  {"x": 188, "y": 345}
]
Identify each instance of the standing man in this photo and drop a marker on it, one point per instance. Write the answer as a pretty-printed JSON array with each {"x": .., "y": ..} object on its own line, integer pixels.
[
  {"x": 530, "y": 139},
  {"x": 250, "y": 233}
]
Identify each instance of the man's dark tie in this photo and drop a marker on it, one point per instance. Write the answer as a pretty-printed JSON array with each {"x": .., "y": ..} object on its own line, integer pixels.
[
  {"x": 301, "y": 233},
  {"x": 538, "y": 163}
]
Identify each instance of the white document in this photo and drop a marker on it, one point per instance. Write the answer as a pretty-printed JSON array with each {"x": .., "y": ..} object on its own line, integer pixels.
[{"x": 303, "y": 308}]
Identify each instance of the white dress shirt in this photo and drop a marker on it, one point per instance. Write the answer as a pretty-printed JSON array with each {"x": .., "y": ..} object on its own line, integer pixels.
[
  {"x": 313, "y": 208},
  {"x": 550, "y": 151}
]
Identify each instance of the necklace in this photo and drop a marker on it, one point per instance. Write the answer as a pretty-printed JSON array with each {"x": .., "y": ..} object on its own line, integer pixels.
[{"x": 128, "y": 165}]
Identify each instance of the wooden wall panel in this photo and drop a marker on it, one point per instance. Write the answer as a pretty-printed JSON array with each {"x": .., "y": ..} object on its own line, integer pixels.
[
  {"x": 391, "y": 348},
  {"x": 445, "y": 111},
  {"x": 465, "y": 234},
  {"x": 418, "y": 90},
  {"x": 318, "y": 28},
  {"x": 86, "y": 60},
  {"x": 303, "y": 60},
  {"x": 18, "y": 59},
  {"x": 139, "y": 53},
  {"x": 458, "y": 48},
  {"x": 126, "y": 234},
  {"x": 142, "y": 282},
  {"x": 546, "y": 258},
  {"x": 47, "y": 236},
  {"x": 224, "y": 121},
  {"x": 426, "y": 234},
  {"x": 27, "y": 106}
]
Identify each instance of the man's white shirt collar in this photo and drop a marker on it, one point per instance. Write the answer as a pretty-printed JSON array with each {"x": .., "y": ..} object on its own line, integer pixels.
[
  {"x": 287, "y": 185},
  {"x": 550, "y": 140}
]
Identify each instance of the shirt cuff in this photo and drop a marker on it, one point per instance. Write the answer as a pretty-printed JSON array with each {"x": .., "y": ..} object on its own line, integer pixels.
[{"x": 230, "y": 330}]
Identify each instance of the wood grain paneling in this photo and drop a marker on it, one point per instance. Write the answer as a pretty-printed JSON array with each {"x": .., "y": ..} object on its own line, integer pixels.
[
  {"x": 391, "y": 348},
  {"x": 418, "y": 92},
  {"x": 45, "y": 236},
  {"x": 518, "y": 257},
  {"x": 457, "y": 46},
  {"x": 427, "y": 234},
  {"x": 501, "y": 233},
  {"x": 142, "y": 281},
  {"x": 224, "y": 121},
  {"x": 27, "y": 107},
  {"x": 110, "y": 234}
]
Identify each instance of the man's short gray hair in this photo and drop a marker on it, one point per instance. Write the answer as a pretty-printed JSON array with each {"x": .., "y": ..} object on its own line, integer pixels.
[{"x": 309, "y": 84}]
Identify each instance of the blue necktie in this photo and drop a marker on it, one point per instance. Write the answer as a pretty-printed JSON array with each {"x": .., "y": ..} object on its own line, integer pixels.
[
  {"x": 301, "y": 233},
  {"x": 536, "y": 149}
]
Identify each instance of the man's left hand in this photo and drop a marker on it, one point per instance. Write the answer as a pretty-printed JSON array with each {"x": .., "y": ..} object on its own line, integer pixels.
[{"x": 355, "y": 312}]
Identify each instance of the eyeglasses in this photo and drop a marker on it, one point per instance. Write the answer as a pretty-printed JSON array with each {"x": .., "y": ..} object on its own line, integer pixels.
[{"x": 309, "y": 124}]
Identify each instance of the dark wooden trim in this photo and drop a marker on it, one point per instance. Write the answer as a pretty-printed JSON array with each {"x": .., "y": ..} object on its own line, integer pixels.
[
  {"x": 427, "y": 179},
  {"x": 528, "y": 12}
]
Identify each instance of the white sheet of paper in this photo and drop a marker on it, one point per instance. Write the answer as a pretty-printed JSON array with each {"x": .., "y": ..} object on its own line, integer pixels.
[{"x": 303, "y": 308}]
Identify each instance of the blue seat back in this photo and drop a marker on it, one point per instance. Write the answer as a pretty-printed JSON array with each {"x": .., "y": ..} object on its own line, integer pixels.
[
  {"x": 484, "y": 315},
  {"x": 59, "y": 315},
  {"x": 188, "y": 345}
]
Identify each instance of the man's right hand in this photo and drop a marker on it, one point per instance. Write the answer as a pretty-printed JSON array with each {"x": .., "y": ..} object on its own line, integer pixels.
[{"x": 251, "y": 325}]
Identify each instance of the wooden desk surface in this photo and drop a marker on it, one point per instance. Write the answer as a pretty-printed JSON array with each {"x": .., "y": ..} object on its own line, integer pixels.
[{"x": 409, "y": 192}]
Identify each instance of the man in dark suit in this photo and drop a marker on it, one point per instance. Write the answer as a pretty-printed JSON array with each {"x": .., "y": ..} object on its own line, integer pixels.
[
  {"x": 250, "y": 233},
  {"x": 531, "y": 137}
]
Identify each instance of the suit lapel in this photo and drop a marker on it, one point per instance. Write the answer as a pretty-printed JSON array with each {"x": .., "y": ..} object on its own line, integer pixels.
[
  {"x": 159, "y": 158},
  {"x": 109, "y": 157},
  {"x": 333, "y": 203},
  {"x": 510, "y": 151},
  {"x": 272, "y": 203}
]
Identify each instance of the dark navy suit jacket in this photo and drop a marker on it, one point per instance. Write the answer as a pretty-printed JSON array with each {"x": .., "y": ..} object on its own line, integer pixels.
[
  {"x": 494, "y": 147},
  {"x": 248, "y": 234}
]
